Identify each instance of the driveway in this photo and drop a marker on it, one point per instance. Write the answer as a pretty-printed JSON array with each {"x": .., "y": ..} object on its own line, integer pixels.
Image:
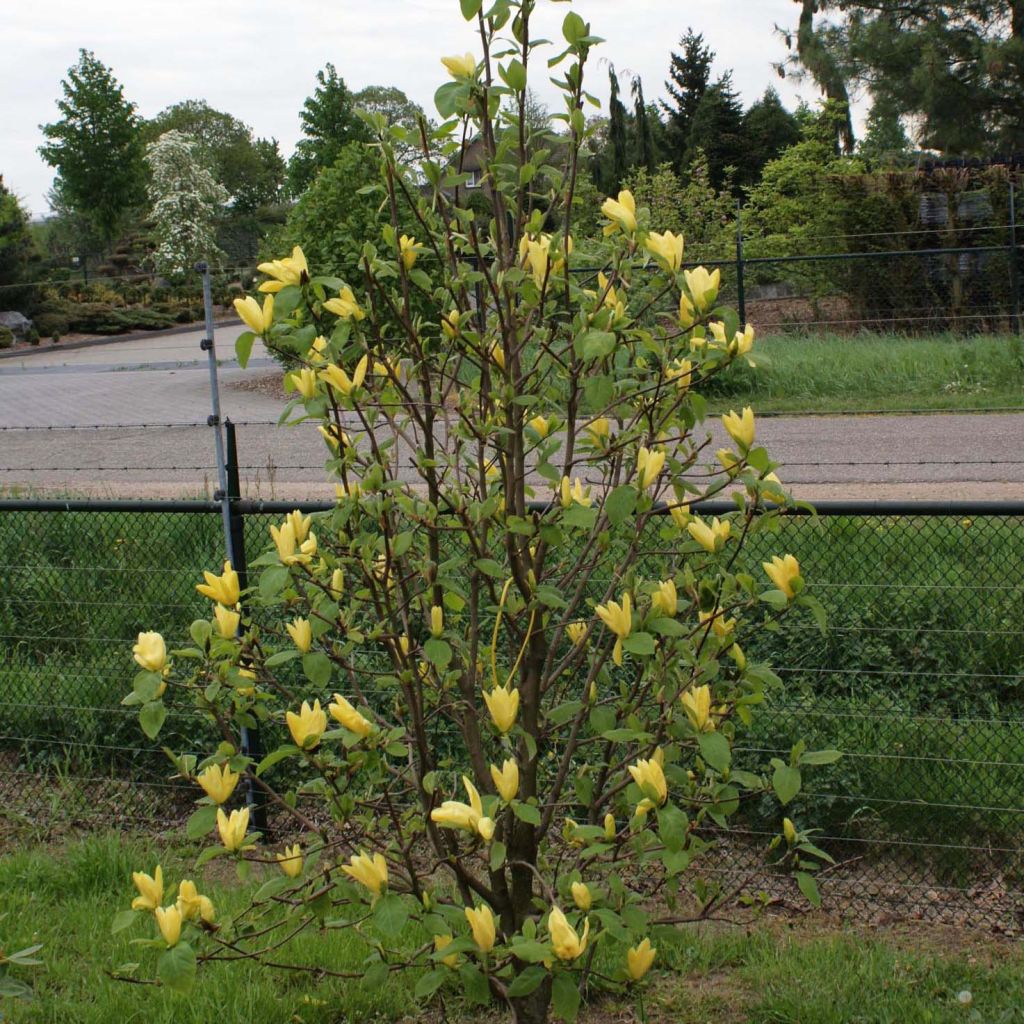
[{"x": 141, "y": 409}]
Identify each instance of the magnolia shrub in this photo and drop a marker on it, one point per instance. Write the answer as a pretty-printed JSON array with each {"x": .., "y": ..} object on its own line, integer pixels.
[{"x": 507, "y": 669}]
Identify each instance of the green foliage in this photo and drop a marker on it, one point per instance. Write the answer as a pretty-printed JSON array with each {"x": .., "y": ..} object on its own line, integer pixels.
[
  {"x": 18, "y": 256},
  {"x": 689, "y": 78},
  {"x": 96, "y": 147},
  {"x": 768, "y": 129},
  {"x": 6, "y": 337},
  {"x": 717, "y": 130},
  {"x": 329, "y": 123}
]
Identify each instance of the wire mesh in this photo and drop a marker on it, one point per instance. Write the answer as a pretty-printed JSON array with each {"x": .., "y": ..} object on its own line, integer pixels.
[{"x": 918, "y": 681}]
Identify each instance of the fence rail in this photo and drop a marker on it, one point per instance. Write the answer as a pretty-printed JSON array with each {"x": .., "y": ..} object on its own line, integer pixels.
[{"x": 919, "y": 681}]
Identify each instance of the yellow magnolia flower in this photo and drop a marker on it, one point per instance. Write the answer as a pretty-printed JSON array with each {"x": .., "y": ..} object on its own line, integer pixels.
[
  {"x": 337, "y": 584},
  {"x": 150, "y": 652},
  {"x": 334, "y": 436},
  {"x": 223, "y": 589},
  {"x": 290, "y": 862},
  {"x": 308, "y": 725},
  {"x": 736, "y": 653},
  {"x": 619, "y": 619},
  {"x": 218, "y": 782},
  {"x": 730, "y": 461},
  {"x": 232, "y": 828},
  {"x": 503, "y": 705},
  {"x": 301, "y": 633},
  {"x": 697, "y": 705},
  {"x": 247, "y": 673},
  {"x": 257, "y": 319},
  {"x": 227, "y": 621},
  {"x": 450, "y": 324},
  {"x": 436, "y": 620},
  {"x": 151, "y": 889},
  {"x": 575, "y": 494},
  {"x": 564, "y": 940},
  {"x": 649, "y": 776},
  {"x": 720, "y": 625},
  {"x": 667, "y": 248},
  {"x": 599, "y": 430},
  {"x": 688, "y": 315},
  {"x": 468, "y": 817},
  {"x": 775, "y": 493},
  {"x": 443, "y": 942},
  {"x": 789, "y": 831},
  {"x": 576, "y": 632},
  {"x": 582, "y": 896},
  {"x": 369, "y": 871},
  {"x": 665, "y": 600},
  {"x": 612, "y": 299},
  {"x": 460, "y": 67},
  {"x": 783, "y": 572},
  {"x": 169, "y": 921},
  {"x": 481, "y": 924},
  {"x": 506, "y": 779},
  {"x": 680, "y": 515},
  {"x": 621, "y": 212},
  {"x": 710, "y": 538},
  {"x": 649, "y": 463},
  {"x": 639, "y": 959},
  {"x": 742, "y": 342},
  {"x": 409, "y": 251},
  {"x": 680, "y": 371},
  {"x": 498, "y": 355},
  {"x": 740, "y": 427},
  {"x": 284, "y": 272},
  {"x": 289, "y": 550},
  {"x": 540, "y": 426},
  {"x": 609, "y": 827},
  {"x": 339, "y": 379},
  {"x": 348, "y": 717},
  {"x": 192, "y": 906},
  {"x": 703, "y": 287},
  {"x": 345, "y": 305}
]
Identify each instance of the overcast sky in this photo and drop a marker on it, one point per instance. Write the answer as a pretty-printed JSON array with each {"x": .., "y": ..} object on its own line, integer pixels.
[{"x": 258, "y": 60}]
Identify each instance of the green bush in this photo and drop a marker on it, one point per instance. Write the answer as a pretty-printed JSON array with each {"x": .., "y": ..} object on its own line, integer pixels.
[
  {"x": 52, "y": 325},
  {"x": 6, "y": 337}
]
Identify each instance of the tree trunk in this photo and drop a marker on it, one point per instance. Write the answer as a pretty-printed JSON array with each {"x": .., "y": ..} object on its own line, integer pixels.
[{"x": 532, "y": 1009}]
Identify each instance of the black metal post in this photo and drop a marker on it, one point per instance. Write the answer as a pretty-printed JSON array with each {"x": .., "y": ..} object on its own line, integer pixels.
[
  {"x": 1014, "y": 256},
  {"x": 741, "y": 297},
  {"x": 255, "y": 798}
]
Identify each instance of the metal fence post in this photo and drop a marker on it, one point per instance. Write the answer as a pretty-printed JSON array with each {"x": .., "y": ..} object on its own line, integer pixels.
[
  {"x": 1014, "y": 255},
  {"x": 741, "y": 297},
  {"x": 257, "y": 809}
]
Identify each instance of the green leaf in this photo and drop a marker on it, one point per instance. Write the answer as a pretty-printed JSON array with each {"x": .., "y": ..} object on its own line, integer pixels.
[
  {"x": 809, "y": 887},
  {"x": 176, "y": 968},
  {"x": 514, "y": 75},
  {"x": 474, "y": 984},
  {"x": 14, "y": 988},
  {"x": 526, "y": 812},
  {"x": 565, "y": 996},
  {"x": 122, "y": 920},
  {"x": 282, "y": 658},
  {"x": 596, "y": 345},
  {"x": 667, "y": 627},
  {"x": 786, "y": 782},
  {"x": 376, "y": 975},
  {"x": 447, "y": 97},
  {"x": 820, "y": 757},
  {"x": 152, "y": 717},
  {"x": 317, "y": 667},
  {"x": 489, "y": 567},
  {"x": 714, "y": 748},
  {"x": 430, "y": 982},
  {"x": 574, "y": 28},
  {"x": 287, "y": 750},
  {"x": 201, "y": 822},
  {"x": 470, "y": 8},
  {"x": 243, "y": 347},
  {"x": 642, "y": 644},
  {"x": 200, "y": 632},
  {"x": 437, "y": 652},
  {"x": 527, "y": 981},
  {"x": 598, "y": 392},
  {"x": 497, "y": 857},
  {"x": 672, "y": 825},
  {"x": 390, "y": 914},
  {"x": 272, "y": 580},
  {"x": 619, "y": 505}
]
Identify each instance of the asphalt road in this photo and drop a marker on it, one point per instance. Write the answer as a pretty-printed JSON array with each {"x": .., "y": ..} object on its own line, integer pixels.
[{"x": 112, "y": 391}]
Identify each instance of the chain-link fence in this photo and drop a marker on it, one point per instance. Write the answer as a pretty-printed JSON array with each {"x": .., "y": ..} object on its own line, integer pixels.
[{"x": 918, "y": 681}]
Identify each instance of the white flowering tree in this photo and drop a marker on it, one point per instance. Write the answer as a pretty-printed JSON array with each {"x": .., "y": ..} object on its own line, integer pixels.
[
  {"x": 508, "y": 669},
  {"x": 185, "y": 201}
]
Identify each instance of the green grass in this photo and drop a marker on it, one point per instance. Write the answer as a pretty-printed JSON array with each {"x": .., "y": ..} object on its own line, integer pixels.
[
  {"x": 867, "y": 373},
  {"x": 64, "y": 896}
]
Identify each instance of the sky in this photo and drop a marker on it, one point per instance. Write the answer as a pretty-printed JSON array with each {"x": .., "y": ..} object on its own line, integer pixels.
[{"x": 258, "y": 60}]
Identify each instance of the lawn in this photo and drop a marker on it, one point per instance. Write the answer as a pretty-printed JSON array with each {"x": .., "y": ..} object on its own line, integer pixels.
[
  {"x": 875, "y": 373},
  {"x": 778, "y": 970}
]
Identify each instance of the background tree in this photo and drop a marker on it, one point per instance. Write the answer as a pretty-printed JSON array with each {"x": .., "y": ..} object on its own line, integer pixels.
[
  {"x": 17, "y": 252},
  {"x": 617, "y": 135},
  {"x": 689, "y": 77},
  {"x": 645, "y": 147},
  {"x": 716, "y": 130},
  {"x": 397, "y": 109},
  {"x": 885, "y": 141},
  {"x": 767, "y": 129},
  {"x": 251, "y": 169},
  {"x": 329, "y": 122},
  {"x": 185, "y": 202},
  {"x": 96, "y": 147}
]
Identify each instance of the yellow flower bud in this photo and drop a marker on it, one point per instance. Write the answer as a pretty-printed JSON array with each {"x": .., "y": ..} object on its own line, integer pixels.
[
  {"x": 460, "y": 66},
  {"x": 308, "y": 725},
  {"x": 581, "y": 896},
  {"x": 609, "y": 827},
  {"x": 740, "y": 427},
  {"x": 639, "y": 959},
  {"x": 169, "y": 921},
  {"x": 564, "y": 940},
  {"x": 648, "y": 775},
  {"x": 232, "y": 829},
  {"x": 151, "y": 652},
  {"x": 789, "y": 831},
  {"x": 223, "y": 589},
  {"x": 151, "y": 889},
  {"x": 218, "y": 781},
  {"x": 227, "y": 622},
  {"x": 503, "y": 704},
  {"x": 290, "y": 862},
  {"x": 506, "y": 779},
  {"x": 301, "y": 633},
  {"x": 349, "y": 718},
  {"x": 371, "y": 872},
  {"x": 436, "y": 620},
  {"x": 481, "y": 924},
  {"x": 784, "y": 573}
]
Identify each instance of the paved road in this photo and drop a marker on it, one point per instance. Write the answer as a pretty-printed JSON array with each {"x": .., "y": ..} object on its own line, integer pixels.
[{"x": 164, "y": 380}]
